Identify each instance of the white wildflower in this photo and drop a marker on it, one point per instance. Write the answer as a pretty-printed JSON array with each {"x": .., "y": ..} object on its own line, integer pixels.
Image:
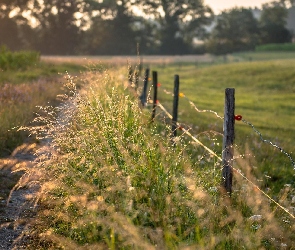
[{"x": 256, "y": 217}]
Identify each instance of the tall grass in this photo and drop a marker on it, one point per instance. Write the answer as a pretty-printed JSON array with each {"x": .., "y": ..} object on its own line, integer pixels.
[
  {"x": 25, "y": 83},
  {"x": 113, "y": 180},
  {"x": 18, "y": 104}
]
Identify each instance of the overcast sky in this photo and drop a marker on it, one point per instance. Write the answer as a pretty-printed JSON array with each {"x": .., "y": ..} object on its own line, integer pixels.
[{"x": 218, "y": 5}]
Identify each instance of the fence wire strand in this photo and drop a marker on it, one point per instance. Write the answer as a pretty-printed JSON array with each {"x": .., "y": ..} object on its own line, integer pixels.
[
  {"x": 270, "y": 142},
  {"x": 246, "y": 122},
  {"x": 188, "y": 133},
  {"x": 193, "y": 105},
  {"x": 219, "y": 158}
]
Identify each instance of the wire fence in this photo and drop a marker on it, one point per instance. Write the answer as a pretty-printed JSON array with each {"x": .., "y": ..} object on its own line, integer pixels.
[
  {"x": 227, "y": 177},
  {"x": 237, "y": 118}
]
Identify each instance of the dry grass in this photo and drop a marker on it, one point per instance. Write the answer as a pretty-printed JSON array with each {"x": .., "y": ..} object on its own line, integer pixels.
[{"x": 18, "y": 105}]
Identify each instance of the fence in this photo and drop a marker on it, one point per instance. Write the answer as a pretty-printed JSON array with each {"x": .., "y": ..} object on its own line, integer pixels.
[{"x": 228, "y": 128}]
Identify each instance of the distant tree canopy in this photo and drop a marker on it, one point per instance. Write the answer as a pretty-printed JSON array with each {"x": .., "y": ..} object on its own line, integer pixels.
[
  {"x": 10, "y": 25},
  {"x": 179, "y": 22},
  {"x": 112, "y": 29},
  {"x": 272, "y": 23},
  {"x": 102, "y": 27},
  {"x": 237, "y": 30},
  {"x": 117, "y": 26}
]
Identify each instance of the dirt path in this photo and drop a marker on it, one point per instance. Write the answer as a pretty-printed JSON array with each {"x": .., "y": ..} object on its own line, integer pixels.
[{"x": 16, "y": 210}]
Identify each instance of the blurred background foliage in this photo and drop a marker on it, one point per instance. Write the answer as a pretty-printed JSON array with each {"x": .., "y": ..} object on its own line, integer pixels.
[{"x": 116, "y": 27}]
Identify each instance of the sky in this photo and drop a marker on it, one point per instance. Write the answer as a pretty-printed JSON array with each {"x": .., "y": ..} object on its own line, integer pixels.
[{"x": 219, "y": 5}]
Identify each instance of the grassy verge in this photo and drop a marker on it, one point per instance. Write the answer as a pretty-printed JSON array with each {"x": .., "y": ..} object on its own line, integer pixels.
[
  {"x": 116, "y": 182},
  {"x": 21, "y": 91},
  {"x": 25, "y": 83}
]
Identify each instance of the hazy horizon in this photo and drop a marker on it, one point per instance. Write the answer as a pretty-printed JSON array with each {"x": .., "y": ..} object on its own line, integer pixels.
[{"x": 218, "y": 5}]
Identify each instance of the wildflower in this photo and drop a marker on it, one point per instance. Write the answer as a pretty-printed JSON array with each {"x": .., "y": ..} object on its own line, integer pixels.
[
  {"x": 283, "y": 245},
  {"x": 213, "y": 189},
  {"x": 256, "y": 217},
  {"x": 100, "y": 198}
]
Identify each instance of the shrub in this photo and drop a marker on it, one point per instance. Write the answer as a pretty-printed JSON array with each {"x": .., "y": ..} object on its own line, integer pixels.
[
  {"x": 276, "y": 47},
  {"x": 17, "y": 60}
]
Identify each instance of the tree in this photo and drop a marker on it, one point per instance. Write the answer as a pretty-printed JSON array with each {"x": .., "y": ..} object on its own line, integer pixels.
[
  {"x": 235, "y": 30},
  {"x": 113, "y": 29},
  {"x": 11, "y": 21},
  {"x": 179, "y": 21},
  {"x": 272, "y": 23},
  {"x": 7, "y": 6},
  {"x": 57, "y": 30}
]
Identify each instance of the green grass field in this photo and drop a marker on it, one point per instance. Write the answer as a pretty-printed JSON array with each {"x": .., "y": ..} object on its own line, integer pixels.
[
  {"x": 264, "y": 94},
  {"x": 264, "y": 56}
]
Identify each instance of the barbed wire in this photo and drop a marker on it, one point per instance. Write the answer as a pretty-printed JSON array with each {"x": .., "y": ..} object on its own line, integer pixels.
[
  {"x": 238, "y": 118},
  {"x": 270, "y": 142},
  {"x": 219, "y": 158},
  {"x": 188, "y": 133},
  {"x": 193, "y": 105}
]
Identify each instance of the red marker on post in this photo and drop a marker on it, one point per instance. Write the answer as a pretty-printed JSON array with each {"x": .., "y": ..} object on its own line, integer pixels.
[{"x": 238, "y": 117}]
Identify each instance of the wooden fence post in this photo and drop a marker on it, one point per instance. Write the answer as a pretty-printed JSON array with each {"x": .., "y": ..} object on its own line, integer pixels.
[
  {"x": 144, "y": 91},
  {"x": 228, "y": 139},
  {"x": 136, "y": 75},
  {"x": 130, "y": 73},
  {"x": 155, "y": 84},
  {"x": 140, "y": 65},
  {"x": 175, "y": 105}
]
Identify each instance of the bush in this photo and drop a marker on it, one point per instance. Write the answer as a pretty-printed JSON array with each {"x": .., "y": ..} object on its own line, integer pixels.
[
  {"x": 276, "y": 47},
  {"x": 17, "y": 60}
]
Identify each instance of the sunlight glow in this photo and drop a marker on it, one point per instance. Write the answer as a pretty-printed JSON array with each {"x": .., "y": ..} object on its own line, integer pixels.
[{"x": 217, "y": 5}]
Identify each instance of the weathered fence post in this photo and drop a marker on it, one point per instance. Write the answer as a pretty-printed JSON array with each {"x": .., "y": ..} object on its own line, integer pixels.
[
  {"x": 175, "y": 105},
  {"x": 136, "y": 75},
  {"x": 130, "y": 73},
  {"x": 145, "y": 83},
  {"x": 155, "y": 84},
  {"x": 228, "y": 139},
  {"x": 140, "y": 65}
]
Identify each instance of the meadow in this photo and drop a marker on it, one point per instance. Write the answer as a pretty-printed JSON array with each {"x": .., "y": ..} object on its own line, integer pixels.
[{"x": 115, "y": 181}]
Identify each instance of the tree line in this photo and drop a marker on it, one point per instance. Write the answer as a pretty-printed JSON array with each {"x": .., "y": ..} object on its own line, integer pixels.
[{"x": 116, "y": 27}]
